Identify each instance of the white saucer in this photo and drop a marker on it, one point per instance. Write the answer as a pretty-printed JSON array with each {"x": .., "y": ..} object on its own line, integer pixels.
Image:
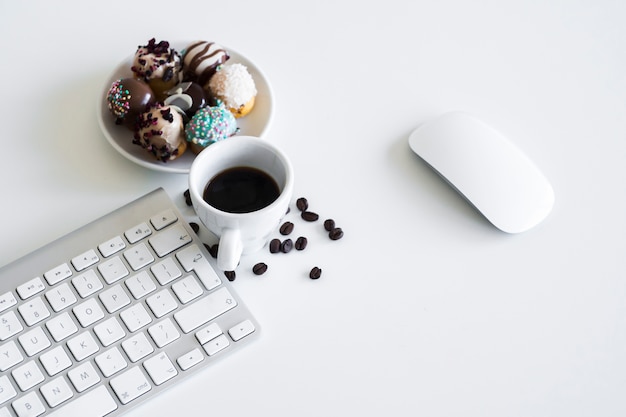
[{"x": 256, "y": 123}]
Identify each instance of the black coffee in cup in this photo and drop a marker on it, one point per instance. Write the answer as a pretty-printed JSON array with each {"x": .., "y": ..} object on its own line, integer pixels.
[{"x": 241, "y": 190}]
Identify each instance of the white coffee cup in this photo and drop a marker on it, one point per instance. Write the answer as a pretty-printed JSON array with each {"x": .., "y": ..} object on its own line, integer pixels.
[{"x": 240, "y": 233}]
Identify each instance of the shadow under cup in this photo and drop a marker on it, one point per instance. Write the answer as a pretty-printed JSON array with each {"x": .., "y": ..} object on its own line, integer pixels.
[{"x": 253, "y": 227}]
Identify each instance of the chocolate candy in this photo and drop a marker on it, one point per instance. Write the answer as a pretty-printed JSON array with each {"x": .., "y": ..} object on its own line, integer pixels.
[
  {"x": 127, "y": 99},
  {"x": 188, "y": 97},
  {"x": 259, "y": 269}
]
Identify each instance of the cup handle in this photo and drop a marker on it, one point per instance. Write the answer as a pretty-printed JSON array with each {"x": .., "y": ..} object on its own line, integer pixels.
[{"x": 229, "y": 250}]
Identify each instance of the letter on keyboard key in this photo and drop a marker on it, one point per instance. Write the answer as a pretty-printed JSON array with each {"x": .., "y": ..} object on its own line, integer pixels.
[
  {"x": 96, "y": 403},
  {"x": 28, "y": 406},
  {"x": 205, "y": 310}
]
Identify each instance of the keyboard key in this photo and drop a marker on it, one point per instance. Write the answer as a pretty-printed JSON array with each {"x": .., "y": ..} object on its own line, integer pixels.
[
  {"x": 7, "y": 391},
  {"x": 82, "y": 346},
  {"x": 109, "y": 331},
  {"x": 205, "y": 310},
  {"x": 130, "y": 385},
  {"x": 111, "y": 362},
  {"x": 113, "y": 270},
  {"x": 135, "y": 317},
  {"x": 192, "y": 259},
  {"x": 58, "y": 274},
  {"x": 166, "y": 271},
  {"x": 137, "y": 347},
  {"x": 9, "y": 325},
  {"x": 161, "y": 303},
  {"x": 55, "y": 361},
  {"x": 88, "y": 312},
  {"x": 96, "y": 403},
  {"x": 61, "y": 326},
  {"x": 29, "y": 405},
  {"x": 56, "y": 391},
  {"x": 61, "y": 297},
  {"x": 135, "y": 234},
  {"x": 33, "y": 311},
  {"x": 163, "y": 333},
  {"x": 34, "y": 341},
  {"x": 187, "y": 289},
  {"x": 241, "y": 330},
  {"x": 163, "y": 219},
  {"x": 9, "y": 356},
  {"x": 160, "y": 368},
  {"x": 27, "y": 375},
  {"x": 138, "y": 257},
  {"x": 216, "y": 345},
  {"x": 190, "y": 359},
  {"x": 30, "y": 288},
  {"x": 87, "y": 283},
  {"x": 85, "y": 260},
  {"x": 140, "y": 285},
  {"x": 83, "y": 377},
  {"x": 169, "y": 240},
  {"x": 114, "y": 298},
  {"x": 207, "y": 333},
  {"x": 7, "y": 300},
  {"x": 111, "y": 246}
]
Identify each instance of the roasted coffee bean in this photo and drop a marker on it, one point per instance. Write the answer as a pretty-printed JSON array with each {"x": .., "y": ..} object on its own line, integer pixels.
[
  {"x": 286, "y": 246},
  {"x": 259, "y": 269},
  {"x": 230, "y": 275},
  {"x": 274, "y": 245},
  {"x": 301, "y": 243},
  {"x": 187, "y": 195},
  {"x": 315, "y": 273},
  {"x": 336, "y": 233},
  {"x": 309, "y": 216},
  {"x": 302, "y": 204},
  {"x": 286, "y": 228},
  {"x": 213, "y": 250},
  {"x": 329, "y": 224},
  {"x": 195, "y": 227}
]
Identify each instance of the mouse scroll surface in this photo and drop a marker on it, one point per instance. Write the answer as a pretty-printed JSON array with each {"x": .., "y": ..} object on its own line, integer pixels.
[{"x": 487, "y": 169}]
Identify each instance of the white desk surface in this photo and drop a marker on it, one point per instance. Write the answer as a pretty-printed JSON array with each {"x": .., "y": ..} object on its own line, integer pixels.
[{"x": 423, "y": 307}]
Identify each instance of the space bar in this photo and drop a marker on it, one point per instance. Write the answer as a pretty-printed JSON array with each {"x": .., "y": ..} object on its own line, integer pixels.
[{"x": 96, "y": 403}]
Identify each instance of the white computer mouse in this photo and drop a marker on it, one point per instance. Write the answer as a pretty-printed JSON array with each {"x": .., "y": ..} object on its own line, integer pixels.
[{"x": 486, "y": 168}]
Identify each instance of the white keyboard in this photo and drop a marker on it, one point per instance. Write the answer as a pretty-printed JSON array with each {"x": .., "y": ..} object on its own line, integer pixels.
[{"x": 112, "y": 314}]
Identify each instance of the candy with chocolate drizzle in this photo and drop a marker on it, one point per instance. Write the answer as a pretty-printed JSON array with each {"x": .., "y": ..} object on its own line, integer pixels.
[{"x": 201, "y": 59}]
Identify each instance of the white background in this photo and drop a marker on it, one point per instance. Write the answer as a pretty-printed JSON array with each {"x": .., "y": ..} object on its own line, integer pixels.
[{"x": 423, "y": 308}]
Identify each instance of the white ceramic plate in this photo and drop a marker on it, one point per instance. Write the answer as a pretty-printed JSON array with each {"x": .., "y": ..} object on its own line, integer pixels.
[{"x": 255, "y": 123}]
